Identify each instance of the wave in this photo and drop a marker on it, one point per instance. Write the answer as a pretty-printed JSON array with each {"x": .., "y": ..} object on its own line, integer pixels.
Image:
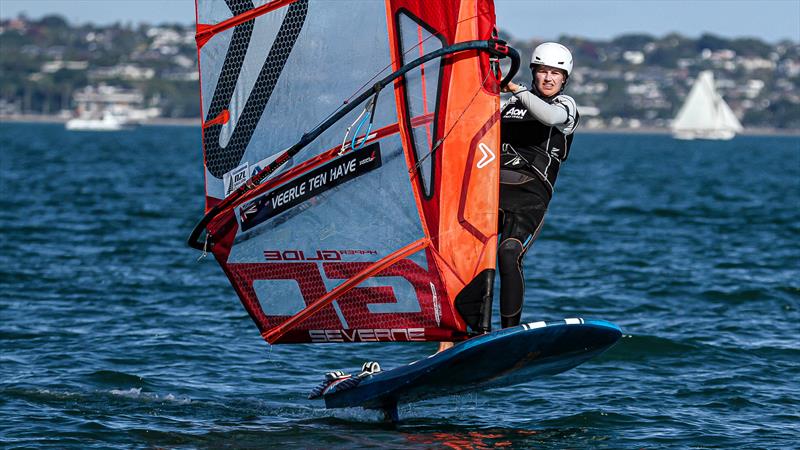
[
  {"x": 112, "y": 377},
  {"x": 641, "y": 347}
]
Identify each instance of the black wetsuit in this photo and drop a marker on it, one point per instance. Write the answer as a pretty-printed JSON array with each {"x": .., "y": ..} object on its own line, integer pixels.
[{"x": 531, "y": 155}]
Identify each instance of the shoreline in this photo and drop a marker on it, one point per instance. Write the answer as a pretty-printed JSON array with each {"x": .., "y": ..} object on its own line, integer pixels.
[
  {"x": 666, "y": 131},
  {"x": 186, "y": 122},
  {"x": 40, "y": 118}
]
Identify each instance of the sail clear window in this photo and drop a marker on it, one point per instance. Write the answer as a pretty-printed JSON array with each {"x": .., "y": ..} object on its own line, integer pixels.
[{"x": 422, "y": 91}]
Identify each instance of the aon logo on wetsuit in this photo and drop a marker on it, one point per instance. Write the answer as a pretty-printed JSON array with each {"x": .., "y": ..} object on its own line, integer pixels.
[{"x": 530, "y": 146}]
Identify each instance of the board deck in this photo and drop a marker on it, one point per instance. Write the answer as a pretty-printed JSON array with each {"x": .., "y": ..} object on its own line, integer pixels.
[{"x": 502, "y": 358}]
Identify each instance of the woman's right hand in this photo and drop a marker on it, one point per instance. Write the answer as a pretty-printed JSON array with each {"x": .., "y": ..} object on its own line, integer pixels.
[{"x": 510, "y": 87}]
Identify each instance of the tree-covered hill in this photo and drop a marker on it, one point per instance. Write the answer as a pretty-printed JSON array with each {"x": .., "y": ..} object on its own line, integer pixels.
[{"x": 629, "y": 81}]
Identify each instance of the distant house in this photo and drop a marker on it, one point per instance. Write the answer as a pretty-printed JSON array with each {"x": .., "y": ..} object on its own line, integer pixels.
[
  {"x": 123, "y": 71},
  {"x": 55, "y": 66},
  {"x": 127, "y": 104}
]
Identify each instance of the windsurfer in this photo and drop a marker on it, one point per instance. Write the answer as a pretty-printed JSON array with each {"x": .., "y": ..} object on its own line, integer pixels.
[
  {"x": 537, "y": 128},
  {"x": 536, "y": 132}
]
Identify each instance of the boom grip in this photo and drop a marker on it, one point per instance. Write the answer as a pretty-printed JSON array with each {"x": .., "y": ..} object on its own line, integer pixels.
[{"x": 512, "y": 71}]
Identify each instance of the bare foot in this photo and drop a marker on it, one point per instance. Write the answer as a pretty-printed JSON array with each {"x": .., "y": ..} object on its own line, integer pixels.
[{"x": 444, "y": 346}]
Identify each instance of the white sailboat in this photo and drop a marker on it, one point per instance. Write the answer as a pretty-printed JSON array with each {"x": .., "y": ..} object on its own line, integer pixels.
[
  {"x": 107, "y": 122},
  {"x": 705, "y": 115}
]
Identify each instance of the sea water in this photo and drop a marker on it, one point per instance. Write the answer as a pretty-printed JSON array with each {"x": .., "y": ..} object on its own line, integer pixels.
[{"x": 113, "y": 335}]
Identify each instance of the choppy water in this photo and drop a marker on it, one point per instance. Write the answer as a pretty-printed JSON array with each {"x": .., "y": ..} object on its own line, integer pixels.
[{"x": 112, "y": 335}]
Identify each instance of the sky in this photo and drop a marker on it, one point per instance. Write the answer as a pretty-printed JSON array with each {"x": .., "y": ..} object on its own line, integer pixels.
[{"x": 769, "y": 20}]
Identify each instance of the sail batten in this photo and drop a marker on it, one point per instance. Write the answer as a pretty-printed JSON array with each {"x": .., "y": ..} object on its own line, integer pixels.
[{"x": 206, "y": 31}]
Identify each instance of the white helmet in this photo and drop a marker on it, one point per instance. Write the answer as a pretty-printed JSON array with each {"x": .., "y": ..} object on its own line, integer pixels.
[{"x": 554, "y": 55}]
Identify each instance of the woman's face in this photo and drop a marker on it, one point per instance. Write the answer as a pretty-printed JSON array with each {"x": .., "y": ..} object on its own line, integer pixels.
[{"x": 549, "y": 80}]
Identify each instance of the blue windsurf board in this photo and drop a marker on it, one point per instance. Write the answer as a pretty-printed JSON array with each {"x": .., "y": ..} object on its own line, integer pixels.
[{"x": 501, "y": 358}]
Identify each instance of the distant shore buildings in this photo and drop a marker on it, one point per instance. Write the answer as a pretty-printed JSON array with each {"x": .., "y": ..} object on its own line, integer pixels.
[
  {"x": 109, "y": 108},
  {"x": 633, "y": 81}
]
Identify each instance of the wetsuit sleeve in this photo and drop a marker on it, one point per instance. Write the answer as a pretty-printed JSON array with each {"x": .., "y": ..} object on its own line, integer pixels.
[
  {"x": 560, "y": 114},
  {"x": 569, "y": 104}
]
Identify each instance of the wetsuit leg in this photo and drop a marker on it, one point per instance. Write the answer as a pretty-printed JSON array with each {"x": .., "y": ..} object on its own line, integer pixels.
[
  {"x": 523, "y": 207},
  {"x": 512, "y": 282}
]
